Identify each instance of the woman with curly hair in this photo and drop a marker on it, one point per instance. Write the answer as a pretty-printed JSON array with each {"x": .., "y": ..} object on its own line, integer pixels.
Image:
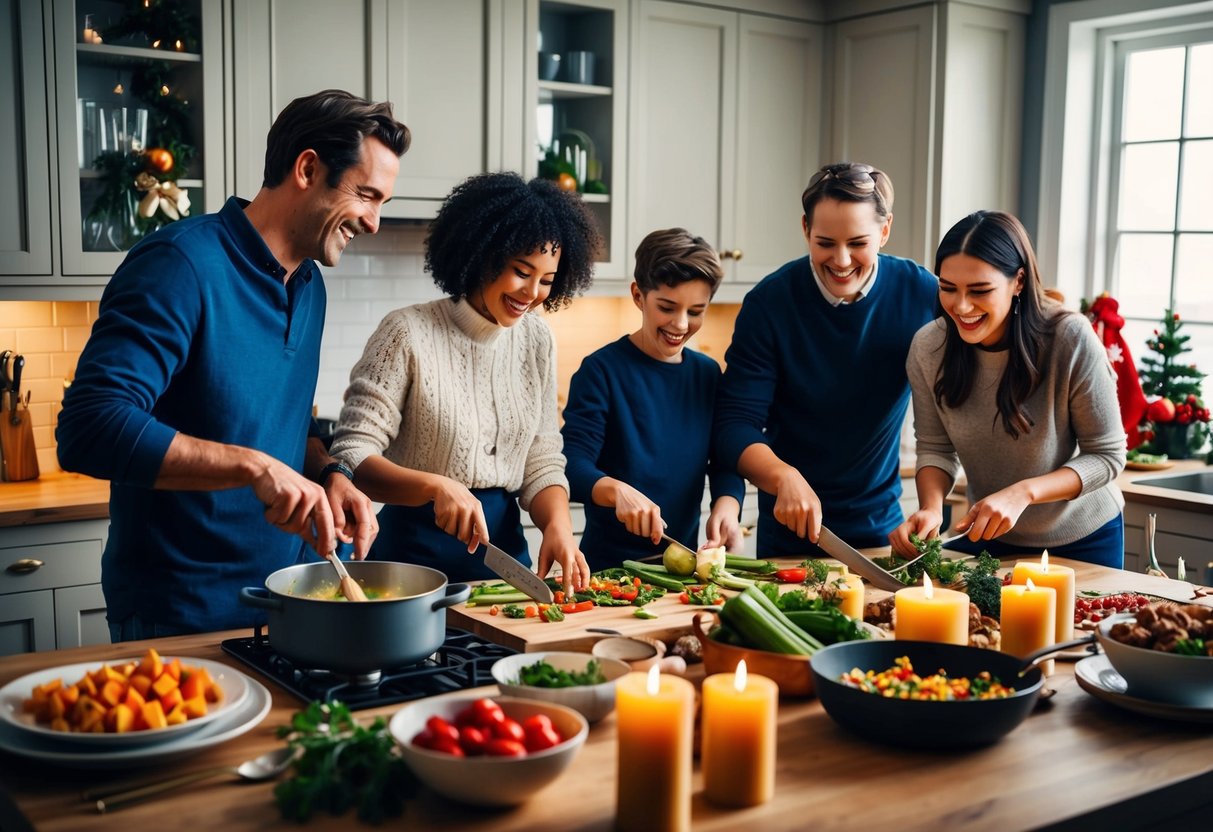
[
  {"x": 450, "y": 417},
  {"x": 1019, "y": 391}
]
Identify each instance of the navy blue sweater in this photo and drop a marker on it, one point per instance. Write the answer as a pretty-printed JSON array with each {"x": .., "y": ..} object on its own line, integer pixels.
[
  {"x": 825, "y": 387},
  {"x": 196, "y": 333},
  {"x": 647, "y": 423}
]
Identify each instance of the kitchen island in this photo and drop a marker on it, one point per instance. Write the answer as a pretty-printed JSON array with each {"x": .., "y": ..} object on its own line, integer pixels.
[{"x": 1075, "y": 762}]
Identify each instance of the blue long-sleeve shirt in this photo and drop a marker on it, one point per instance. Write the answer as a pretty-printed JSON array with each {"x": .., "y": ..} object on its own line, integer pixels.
[
  {"x": 647, "y": 423},
  {"x": 825, "y": 387},
  {"x": 196, "y": 333}
]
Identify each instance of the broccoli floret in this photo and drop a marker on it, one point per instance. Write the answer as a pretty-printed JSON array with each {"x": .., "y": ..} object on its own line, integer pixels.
[
  {"x": 932, "y": 552},
  {"x": 818, "y": 571},
  {"x": 983, "y": 585}
]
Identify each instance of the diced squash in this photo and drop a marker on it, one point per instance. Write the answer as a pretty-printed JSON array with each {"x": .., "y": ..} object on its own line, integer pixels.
[
  {"x": 152, "y": 665},
  {"x": 54, "y": 708},
  {"x": 48, "y": 688},
  {"x": 112, "y": 692},
  {"x": 177, "y": 715},
  {"x": 87, "y": 686},
  {"x": 122, "y": 719},
  {"x": 173, "y": 669},
  {"x": 134, "y": 699},
  {"x": 70, "y": 695},
  {"x": 195, "y": 707},
  {"x": 60, "y": 724},
  {"x": 153, "y": 714},
  {"x": 164, "y": 684},
  {"x": 171, "y": 699},
  {"x": 141, "y": 683}
]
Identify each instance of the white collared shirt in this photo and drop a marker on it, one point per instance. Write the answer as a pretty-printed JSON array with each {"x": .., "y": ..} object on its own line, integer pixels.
[{"x": 864, "y": 290}]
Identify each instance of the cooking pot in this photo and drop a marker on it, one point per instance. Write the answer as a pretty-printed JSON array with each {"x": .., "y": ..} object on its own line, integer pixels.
[
  {"x": 356, "y": 637},
  {"x": 925, "y": 724}
]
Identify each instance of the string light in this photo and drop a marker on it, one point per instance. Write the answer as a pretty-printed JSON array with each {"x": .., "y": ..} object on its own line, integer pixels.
[{"x": 156, "y": 43}]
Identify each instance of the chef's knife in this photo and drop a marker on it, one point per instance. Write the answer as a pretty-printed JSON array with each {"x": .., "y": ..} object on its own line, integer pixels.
[
  {"x": 516, "y": 575},
  {"x": 15, "y": 396},
  {"x": 837, "y": 548}
]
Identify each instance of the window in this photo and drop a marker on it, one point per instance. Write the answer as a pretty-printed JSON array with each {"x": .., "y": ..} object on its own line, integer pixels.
[{"x": 1160, "y": 173}]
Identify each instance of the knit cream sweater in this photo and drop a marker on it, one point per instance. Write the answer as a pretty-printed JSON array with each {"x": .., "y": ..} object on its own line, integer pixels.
[{"x": 441, "y": 389}]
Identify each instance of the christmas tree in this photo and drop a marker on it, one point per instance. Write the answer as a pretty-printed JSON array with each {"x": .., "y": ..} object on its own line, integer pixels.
[{"x": 1174, "y": 385}]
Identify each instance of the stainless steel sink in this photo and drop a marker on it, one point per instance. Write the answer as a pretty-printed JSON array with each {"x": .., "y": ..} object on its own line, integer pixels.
[{"x": 1197, "y": 482}]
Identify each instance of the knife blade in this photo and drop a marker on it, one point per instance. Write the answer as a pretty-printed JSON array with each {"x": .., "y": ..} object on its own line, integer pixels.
[
  {"x": 840, "y": 550},
  {"x": 516, "y": 575}
]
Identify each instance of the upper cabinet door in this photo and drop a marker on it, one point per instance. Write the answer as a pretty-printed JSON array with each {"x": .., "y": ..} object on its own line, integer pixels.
[
  {"x": 724, "y": 132},
  {"x": 25, "y": 202},
  {"x": 427, "y": 58}
]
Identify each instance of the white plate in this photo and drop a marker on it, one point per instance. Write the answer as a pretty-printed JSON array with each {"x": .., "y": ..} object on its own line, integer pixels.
[
  {"x": 231, "y": 724},
  {"x": 1097, "y": 677},
  {"x": 233, "y": 683}
]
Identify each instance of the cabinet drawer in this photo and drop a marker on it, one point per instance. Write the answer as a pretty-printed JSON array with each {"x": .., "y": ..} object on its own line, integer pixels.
[{"x": 46, "y": 566}]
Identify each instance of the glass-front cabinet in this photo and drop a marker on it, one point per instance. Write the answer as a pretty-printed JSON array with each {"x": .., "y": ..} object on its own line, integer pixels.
[
  {"x": 577, "y": 138},
  {"x": 139, "y": 88}
]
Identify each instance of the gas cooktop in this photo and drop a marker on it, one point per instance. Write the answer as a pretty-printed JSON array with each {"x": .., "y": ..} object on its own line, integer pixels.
[{"x": 463, "y": 661}]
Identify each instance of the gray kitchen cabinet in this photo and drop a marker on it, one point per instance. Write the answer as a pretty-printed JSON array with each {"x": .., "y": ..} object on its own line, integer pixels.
[
  {"x": 50, "y": 586},
  {"x": 97, "y": 111},
  {"x": 724, "y": 131},
  {"x": 931, "y": 95},
  {"x": 25, "y": 200},
  {"x": 440, "y": 64}
]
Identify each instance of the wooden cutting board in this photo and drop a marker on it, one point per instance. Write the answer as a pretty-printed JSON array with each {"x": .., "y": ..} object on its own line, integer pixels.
[{"x": 530, "y": 635}]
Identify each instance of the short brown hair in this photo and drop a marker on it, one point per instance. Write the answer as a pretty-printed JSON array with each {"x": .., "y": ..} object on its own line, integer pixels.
[
  {"x": 333, "y": 123},
  {"x": 673, "y": 256},
  {"x": 849, "y": 182}
]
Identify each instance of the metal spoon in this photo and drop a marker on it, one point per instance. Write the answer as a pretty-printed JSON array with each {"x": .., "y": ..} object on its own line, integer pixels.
[
  {"x": 350, "y": 588},
  {"x": 265, "y": 767}
]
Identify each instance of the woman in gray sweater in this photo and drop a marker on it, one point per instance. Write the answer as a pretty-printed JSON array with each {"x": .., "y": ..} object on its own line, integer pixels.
[{"x": 1020, "y": 392}]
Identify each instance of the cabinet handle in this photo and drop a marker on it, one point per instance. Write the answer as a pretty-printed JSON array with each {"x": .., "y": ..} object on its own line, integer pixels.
[
  {"x": 731, "y": 254},
  {"x": 24, "y": 566}
]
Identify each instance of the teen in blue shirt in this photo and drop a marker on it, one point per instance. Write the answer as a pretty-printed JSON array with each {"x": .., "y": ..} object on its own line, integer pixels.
[
  {"x": 815, "y": 392},
  {"x": 637, "y": 426},
  {"x": 193, "y": 395}
]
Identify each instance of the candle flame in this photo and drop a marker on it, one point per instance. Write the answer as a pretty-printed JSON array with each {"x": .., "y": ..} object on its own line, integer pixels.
[
  {"x": 1044, "y": 561},
  {"x": 178, "y": 46},
  {"x": 927, "y": 590},
  {"x": 654, "y": 683},
  {"x": 739, "y": 677},
  {"x": 1029, "y": 586}
]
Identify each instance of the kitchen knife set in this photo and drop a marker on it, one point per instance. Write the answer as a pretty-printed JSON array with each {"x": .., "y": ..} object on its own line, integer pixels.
[{"x": 18, "y": 456}]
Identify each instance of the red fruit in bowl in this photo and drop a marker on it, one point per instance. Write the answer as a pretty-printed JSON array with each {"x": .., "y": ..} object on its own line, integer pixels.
[{"x": 1161, "y": 410}]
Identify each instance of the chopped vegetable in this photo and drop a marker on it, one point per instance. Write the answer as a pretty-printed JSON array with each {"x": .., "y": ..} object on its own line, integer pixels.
[
  {"x": 754, "y": 617},
  {"x": 485, "y": 595},
  {"x": 513, "y": 611},
  {"x": 643, "y": 613},
  {"x": 901, "y": 682},
  {"x": 708, "y": 559},
  {"x": 551, "y": 612},
  {"x": 791, "y": 576},
  {"x": 818, "y": 571},
  {"x": 649, "y": 575},
  {"x": 702, "y": 596},
  {"x": 342, "y": 764},
  {"x": 740, "y": 563},
  {"x": 541, "y": 674}
]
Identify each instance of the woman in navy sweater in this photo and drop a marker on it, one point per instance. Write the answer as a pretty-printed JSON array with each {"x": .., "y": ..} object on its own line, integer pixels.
[
  {"x": 637, "y": 427},
  {"x": 812, "y": 403}
]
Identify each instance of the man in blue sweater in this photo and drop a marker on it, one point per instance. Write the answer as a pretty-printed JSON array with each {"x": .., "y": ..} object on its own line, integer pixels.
[
  {"x": 815, "y": 391},
  {"x": 193, "y": 395}
]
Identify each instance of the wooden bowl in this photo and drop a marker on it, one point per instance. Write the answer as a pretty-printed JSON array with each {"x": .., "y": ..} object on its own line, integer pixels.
[{"x": 792, "y": 674}]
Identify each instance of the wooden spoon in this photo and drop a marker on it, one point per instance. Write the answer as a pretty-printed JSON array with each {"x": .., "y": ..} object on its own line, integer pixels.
[{"x": 349, "y": 587}]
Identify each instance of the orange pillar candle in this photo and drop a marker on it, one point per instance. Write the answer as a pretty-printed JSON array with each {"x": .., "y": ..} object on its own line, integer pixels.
[
  {"x": 925, "y": 613},
  {"x": 1061, "y": 580},
  {"x": 654, "y": 726},
  {"x": 1029, "y": 618},
  {"x": 850, "y": 594},
  {"x": 738, "y": 753}
]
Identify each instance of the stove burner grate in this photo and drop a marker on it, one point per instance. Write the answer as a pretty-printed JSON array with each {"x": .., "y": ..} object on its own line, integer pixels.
[{"x": 463, "y": 661}]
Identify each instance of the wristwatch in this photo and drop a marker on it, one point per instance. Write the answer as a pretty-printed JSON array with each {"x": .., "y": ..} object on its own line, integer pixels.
[{"x": 335, "y": 468}]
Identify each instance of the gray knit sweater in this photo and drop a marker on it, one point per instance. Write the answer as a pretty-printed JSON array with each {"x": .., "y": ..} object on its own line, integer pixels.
[
  {"x": 1076, "y": 424},
  {"x": 441, "y": 389}
]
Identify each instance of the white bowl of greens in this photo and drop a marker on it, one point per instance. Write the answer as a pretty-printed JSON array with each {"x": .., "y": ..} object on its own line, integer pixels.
[{"x": 578, "y": 680}]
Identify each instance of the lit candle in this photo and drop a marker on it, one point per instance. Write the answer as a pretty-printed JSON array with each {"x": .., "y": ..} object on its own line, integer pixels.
[
  {"x": 655, "y": 725},
  {"x": 1029, "y": 618},
  {"x": 738, "y": 753},
  {"x": 1058, "y": 578},
  {"x": 925, "y": 613},
  {"x": 850, "y": 594}
]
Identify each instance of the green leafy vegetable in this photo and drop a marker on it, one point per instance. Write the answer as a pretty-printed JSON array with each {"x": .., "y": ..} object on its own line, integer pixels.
[
  {"x": 818, "y": 571},
  {"x": 704, "y": 596},
  {"x": 983, "y": 585},
  {"x": 643, "y": 613},
  {"x": 543, "y": 675},
  {"x": 513, "y": 611},
  {"x": 342, "y": 764},
  {"x": 1191, "y": 647}
]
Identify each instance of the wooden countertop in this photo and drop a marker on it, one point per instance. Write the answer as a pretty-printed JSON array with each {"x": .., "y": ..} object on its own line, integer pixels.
[
  {"x": 53, "y": 498},
  {"x": 1075, "y": 761},
  {"x": 1135, "y": 486}
]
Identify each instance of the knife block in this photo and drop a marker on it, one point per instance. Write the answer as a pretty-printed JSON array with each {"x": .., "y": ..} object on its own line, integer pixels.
[{"x": 20, "y": 457}]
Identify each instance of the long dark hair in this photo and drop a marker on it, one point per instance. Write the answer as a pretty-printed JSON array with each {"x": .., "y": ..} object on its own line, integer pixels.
[{"x": 998, "y": 238}]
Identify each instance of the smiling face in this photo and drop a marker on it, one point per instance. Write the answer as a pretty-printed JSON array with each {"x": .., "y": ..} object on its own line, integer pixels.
[
  {"x": 978, "y": 298},
  {"x": 670, "y": 316},
  {"x": 844, "y": 239},
  {"x": 524, "y": 283},
  {"x": 329, "y": 217}
]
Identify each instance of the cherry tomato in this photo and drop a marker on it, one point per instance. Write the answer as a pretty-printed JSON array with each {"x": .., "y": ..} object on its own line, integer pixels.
[
  {"x": 538, "y": 739},
  {"x": 535, "y": 721},
  {"x": 509, "y": 729},
  {"x": 791, "y": 576},
  {"x": 505, "y": 748},
  {"x": 441, "y": 729},
  {"x": 473, "y": 740},
  {"x": 447, "y": 746},
  {"x": 486, "y": 713},
  {"x": 424, "y": 738}
]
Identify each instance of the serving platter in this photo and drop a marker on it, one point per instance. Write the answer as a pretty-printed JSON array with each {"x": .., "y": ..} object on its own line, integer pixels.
[
  {"x": 229, "y": 725},
  {"x": 1097, "y": 677},
  {"x": 233, "y": 683}
]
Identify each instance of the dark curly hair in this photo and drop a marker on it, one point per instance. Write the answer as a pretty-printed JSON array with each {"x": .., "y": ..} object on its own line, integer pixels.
[{"x": 489, "y": 219}]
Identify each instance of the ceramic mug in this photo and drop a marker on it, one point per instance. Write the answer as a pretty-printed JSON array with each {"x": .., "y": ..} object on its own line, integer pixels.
[{"x": 579, "y": 67}]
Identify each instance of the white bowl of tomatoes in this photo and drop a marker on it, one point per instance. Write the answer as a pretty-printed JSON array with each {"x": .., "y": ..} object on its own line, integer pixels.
[{"x": 487, "y": 752}]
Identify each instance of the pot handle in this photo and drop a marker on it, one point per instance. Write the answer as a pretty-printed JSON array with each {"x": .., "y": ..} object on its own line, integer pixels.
[
  {"x": 1037, "y": 656},
  {"x": 256, "y": 596},
  {"x": 455, "y": 593}
]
